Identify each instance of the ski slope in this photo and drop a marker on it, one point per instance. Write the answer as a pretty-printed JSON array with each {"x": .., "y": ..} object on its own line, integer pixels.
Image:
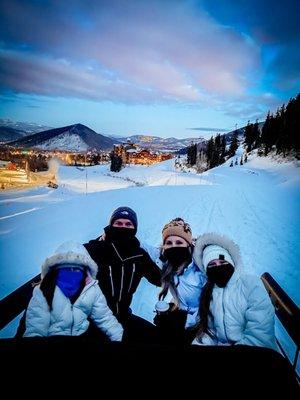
[{"x": 256, "y": 204}]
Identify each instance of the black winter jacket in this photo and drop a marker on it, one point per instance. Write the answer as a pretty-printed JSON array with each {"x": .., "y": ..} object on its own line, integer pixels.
[{"x": 121, "y": 266}]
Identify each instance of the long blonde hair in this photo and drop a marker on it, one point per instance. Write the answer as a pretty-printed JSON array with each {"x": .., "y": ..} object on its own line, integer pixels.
[{"x": 168, "y": 275}]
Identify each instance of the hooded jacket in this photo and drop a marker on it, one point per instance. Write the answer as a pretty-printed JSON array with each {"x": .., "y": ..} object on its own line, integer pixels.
[
  {"x": 241, "y": 312},
  {"x": 122, "y": 264},
  {"x": 65, "y": 318}
]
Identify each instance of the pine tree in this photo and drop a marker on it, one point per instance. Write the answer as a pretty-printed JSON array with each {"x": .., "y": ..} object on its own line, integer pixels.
[
  {"x": 233, "y": 145},
  {"x": 249, "y": 137},
  {"x": 223, "y": 149},
  {"x": 291, "y": 140},
  {"x": 255, "y": 135},
  {"x": 241, "y": 160},
  {"x": 266, "y": 134},
  {"x": 209, "y": 151},
  {"x": 116, "y": 162},
  {"x": 192, "y": 155},
  {"x": 215, "y": 158}
]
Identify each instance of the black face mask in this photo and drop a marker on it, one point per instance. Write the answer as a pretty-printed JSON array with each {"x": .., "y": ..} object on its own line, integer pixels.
[
  {"x": 220, "y": 274},
  {"x": 121, "y": 233},
  {"x": 177, "y": 255}
]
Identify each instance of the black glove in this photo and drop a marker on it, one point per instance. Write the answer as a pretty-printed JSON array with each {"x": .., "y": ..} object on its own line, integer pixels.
[{"x": 171, "y": 325}]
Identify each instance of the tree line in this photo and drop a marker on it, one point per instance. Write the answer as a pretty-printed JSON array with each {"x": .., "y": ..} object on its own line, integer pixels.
[
  {"x": 280, "y": 132},
  {"x": 213, "y": 153}
]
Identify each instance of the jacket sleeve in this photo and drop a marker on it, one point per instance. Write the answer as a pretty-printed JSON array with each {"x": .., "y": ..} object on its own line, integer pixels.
[
  {"x": 91, "y": 248},
  {"x": 104, "y": 319},
  {"x": 259, "y": 317},
  {"x": 37, "y": 315},
  {"x": 151, "y": 271}
]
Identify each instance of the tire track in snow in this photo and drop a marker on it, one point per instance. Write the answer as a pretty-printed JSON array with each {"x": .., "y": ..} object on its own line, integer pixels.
[
  {"x": 210, "y": 216},
  {"x": 262, "y": 228}
]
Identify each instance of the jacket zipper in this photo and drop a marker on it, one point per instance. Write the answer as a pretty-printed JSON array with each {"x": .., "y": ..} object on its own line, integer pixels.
[
  {"x": 133, "y": 271},
  {"x": 122, "y": 278},
  {"x": 86, "y": 288},
  {"x": 111, "y": 282},
  {"x": 223, "y": 306},
  {"x": 125, "y": 259},
  {"x": 72, "y": 325}
]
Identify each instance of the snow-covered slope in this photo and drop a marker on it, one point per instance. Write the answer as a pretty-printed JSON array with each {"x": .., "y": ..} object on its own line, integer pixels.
[
  {"x": 257, "y": 204},
  {"x": 72, "y": 137},
  {"x": 65, "y": 141}
]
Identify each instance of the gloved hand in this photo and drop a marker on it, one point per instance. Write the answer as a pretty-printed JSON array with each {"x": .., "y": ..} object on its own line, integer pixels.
[{"x": 171, "y": 325}]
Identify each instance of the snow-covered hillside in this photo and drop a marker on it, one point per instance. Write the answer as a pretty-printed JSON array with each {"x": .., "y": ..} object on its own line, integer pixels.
[
  {"x": 66, "y": 142},
  {"x": 257, "y": 204}
]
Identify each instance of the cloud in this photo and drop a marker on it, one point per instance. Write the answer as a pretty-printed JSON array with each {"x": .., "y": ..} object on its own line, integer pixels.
[
  {"x": 27, "y": 73},
  {"x": 154, "y": 51},
  {"x": 207, "y": 129},
  {"x": 270, "y": 24}
]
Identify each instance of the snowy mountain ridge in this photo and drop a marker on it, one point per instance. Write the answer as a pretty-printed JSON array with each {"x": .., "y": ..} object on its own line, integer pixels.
[{"x": 76, "y": 137}]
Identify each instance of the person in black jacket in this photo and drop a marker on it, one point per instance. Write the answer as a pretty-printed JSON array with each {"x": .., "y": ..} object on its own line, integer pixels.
[{"x": 122, "y": 263}]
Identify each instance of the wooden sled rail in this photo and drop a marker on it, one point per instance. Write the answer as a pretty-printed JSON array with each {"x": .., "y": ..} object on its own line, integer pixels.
[
  {"x": 287, "y": 312},
  {"x": 16, "y": 302}
]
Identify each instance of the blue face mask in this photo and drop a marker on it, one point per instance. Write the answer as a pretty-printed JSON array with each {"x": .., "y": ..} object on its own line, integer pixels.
[{"x": 69, "y": 280}]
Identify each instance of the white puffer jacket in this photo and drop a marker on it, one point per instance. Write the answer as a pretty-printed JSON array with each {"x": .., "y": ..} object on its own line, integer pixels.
[
  {"x": 66, "y": 318},
  {"x": 242, "y": 312}
]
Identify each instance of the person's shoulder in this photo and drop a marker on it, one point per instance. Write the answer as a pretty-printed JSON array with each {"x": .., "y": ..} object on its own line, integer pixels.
[
  {"x": 37, "y": 293},
  {"x": 92, "y": 241},
  {"x": 95, "y": 243},
  {"x": 37, "y": 290},
  {"x": 92, "y": 287},
  {"x": 251, "y": 282},
  {"x": 144, "y": 251},
  {"x": 250, "y": 279}
]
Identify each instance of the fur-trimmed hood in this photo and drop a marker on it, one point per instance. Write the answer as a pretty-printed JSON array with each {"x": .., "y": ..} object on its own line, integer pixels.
[
  {"x": 70, "y": 253},
  {"x": 220, "y": 240}
]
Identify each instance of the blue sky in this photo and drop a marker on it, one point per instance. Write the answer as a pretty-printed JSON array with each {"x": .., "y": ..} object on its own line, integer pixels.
[{"x": 166, "y": 68}]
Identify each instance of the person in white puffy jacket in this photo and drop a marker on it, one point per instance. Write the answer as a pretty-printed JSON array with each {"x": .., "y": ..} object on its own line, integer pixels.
[
  {"x": 234, "y": 307},
  {"x": 68, "y": 295}
]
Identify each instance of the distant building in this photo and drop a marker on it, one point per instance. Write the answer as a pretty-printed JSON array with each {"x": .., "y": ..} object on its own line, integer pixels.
[{"x": 132, "y": 154}]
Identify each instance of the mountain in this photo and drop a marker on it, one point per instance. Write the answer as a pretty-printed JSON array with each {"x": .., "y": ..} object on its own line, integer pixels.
[
  {"x": 76, "y": 137},
  {"x": 26, "y": 128},
  {"x": 8, "y": 134},
  {"x": 156, "y": 143}
]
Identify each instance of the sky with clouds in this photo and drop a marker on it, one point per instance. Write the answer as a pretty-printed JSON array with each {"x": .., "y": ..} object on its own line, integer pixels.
[{"x": 158, "y": 67}]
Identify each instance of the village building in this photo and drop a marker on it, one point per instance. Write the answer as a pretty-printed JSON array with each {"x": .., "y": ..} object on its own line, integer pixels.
[{"x": 131, "y": 153}]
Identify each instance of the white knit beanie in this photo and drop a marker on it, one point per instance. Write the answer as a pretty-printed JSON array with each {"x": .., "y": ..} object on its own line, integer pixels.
[{"x": 212, "y": 252}]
